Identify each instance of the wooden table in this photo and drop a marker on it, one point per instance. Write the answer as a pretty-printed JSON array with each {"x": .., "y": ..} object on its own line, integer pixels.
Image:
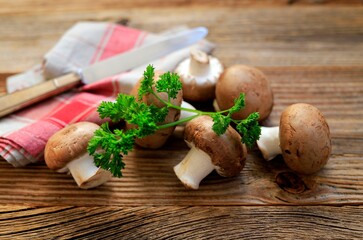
[{"x": 311, "y": 51}]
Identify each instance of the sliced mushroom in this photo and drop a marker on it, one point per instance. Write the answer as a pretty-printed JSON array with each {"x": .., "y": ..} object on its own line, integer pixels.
[
  {"x": 199, "y": 75},
  {"x": 159, "y": 138},
  {"x": 239, "y": 79},
  {"x": 66, "y": 151},
  {"x": 225, "y": 153},
  {"x": 303, "y": 139}
]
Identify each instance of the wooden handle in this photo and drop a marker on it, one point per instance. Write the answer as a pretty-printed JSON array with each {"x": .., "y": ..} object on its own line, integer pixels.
[{"x": 20, "y": 99}]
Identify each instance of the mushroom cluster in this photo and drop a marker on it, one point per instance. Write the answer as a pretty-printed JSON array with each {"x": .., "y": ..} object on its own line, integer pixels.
[
  {"x": 303, "y": 136},
  {"x": 204, "y": 78}
]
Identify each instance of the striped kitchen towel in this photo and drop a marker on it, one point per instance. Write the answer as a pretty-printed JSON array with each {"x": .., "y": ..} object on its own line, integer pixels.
[{"x": 23, "y": 135}]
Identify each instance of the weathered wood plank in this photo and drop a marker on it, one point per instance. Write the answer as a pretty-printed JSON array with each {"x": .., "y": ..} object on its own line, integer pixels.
[
  {"x": 268, "y": 36},
  {"x": 149, "y": 178},
  {"x": 65, "y": 222},
  {"x": 151, "y": 181},
  {"x": 336, "y": 91},
  {"x": 43, "y": 6}
]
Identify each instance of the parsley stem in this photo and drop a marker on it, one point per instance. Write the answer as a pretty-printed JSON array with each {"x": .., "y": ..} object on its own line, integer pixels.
[
  {"x": 172, "y": 124},
  {"x": 235, "y": 121},
  {"x": 170, "y": 105},
  {"x": 167, "y": 103},
  {"x": 194, "y": 111}
]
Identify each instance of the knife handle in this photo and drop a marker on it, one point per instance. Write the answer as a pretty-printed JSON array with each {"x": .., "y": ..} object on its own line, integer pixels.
[{"x": 23, "y": 98}]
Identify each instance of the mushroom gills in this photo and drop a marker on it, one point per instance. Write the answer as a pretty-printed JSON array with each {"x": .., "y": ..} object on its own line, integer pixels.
[
  {"x": 199, "y": 74},
  {"x": 195, "y": 166},
  {"x": 86, "y": 173},
  {"x": 269, "y": 142}
]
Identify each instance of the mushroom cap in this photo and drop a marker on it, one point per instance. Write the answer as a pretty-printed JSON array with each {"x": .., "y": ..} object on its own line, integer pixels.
[
  {"x": 304, "y": 138},
  {"x": 159, "y": 138},
  {"x": 68, "y": 144},
  {"x": 226, "y": 151},
  {"x": 199, "y": 86},
  {"x": 239, "y": 79}
]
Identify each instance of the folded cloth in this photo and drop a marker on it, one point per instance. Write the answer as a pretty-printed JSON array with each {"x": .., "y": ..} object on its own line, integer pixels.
[{"x": 25, "y": 133}]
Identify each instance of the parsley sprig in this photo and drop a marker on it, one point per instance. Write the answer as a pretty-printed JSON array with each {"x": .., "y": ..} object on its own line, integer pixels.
[{"x": 109, "y": 146}]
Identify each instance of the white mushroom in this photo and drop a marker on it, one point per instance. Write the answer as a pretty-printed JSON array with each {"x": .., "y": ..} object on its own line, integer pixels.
[
  {"x": 66, "y": 151},
  {"x": 199, "y": 75}
]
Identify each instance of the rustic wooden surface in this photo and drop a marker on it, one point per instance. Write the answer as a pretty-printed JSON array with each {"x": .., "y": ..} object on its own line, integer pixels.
[{"x": 311, "y": 53}]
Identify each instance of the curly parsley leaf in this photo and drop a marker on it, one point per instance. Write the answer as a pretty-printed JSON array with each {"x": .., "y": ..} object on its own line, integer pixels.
[
  {"x": 239, "y": 103},
  {"x": 221, "y": 123},
  {"x": 170, "y": 84},
  {"x": 159, "y": 114},
  {"x": 118, "y": 109},
  {"x": 249, "y": 129},
  {"x": 106, "y": 147},
  {"x": 147, "y": 82}
]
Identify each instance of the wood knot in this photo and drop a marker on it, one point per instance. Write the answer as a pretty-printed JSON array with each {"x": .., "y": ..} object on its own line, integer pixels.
[
  {"x": 290, "y": 182},
  {"x": 123, "y": 21}
]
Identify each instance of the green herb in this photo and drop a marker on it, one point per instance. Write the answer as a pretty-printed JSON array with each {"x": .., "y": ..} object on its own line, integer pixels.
[
  {"x": 170, "y": 84},
  {"x": 249, "y": 129},
  {"x": 109, "y": 146}
]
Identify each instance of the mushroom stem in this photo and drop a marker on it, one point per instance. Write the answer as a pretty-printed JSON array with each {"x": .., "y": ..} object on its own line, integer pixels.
[
  {"x": 269, "y": 142},
  {"x": 86, "y": 173},
  {"x": 216, "y": 106},
  {"x": 193, "y": 168},
  {"x": 185, "y": 114},
  {"x": 199, "y": 63}
]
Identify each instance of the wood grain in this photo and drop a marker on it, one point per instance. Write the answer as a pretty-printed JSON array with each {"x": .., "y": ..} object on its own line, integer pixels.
[
  {"x": 65, "y": 222},
  {"x": 149, "y": 178},
  {"x": 268, "y": 36},
  {"x": 43, "y": 6}
]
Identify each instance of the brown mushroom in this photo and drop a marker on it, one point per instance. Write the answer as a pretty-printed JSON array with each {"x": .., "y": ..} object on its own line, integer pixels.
[
  {"x": 66, "y": 151},
  {"x": 199, "y": 75},
  {"x": 303, "y": 139},
  {"x": 239, "y": 79},
  {"x": 225, "y": 153},
  {"x": 159, "y": 138}
]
